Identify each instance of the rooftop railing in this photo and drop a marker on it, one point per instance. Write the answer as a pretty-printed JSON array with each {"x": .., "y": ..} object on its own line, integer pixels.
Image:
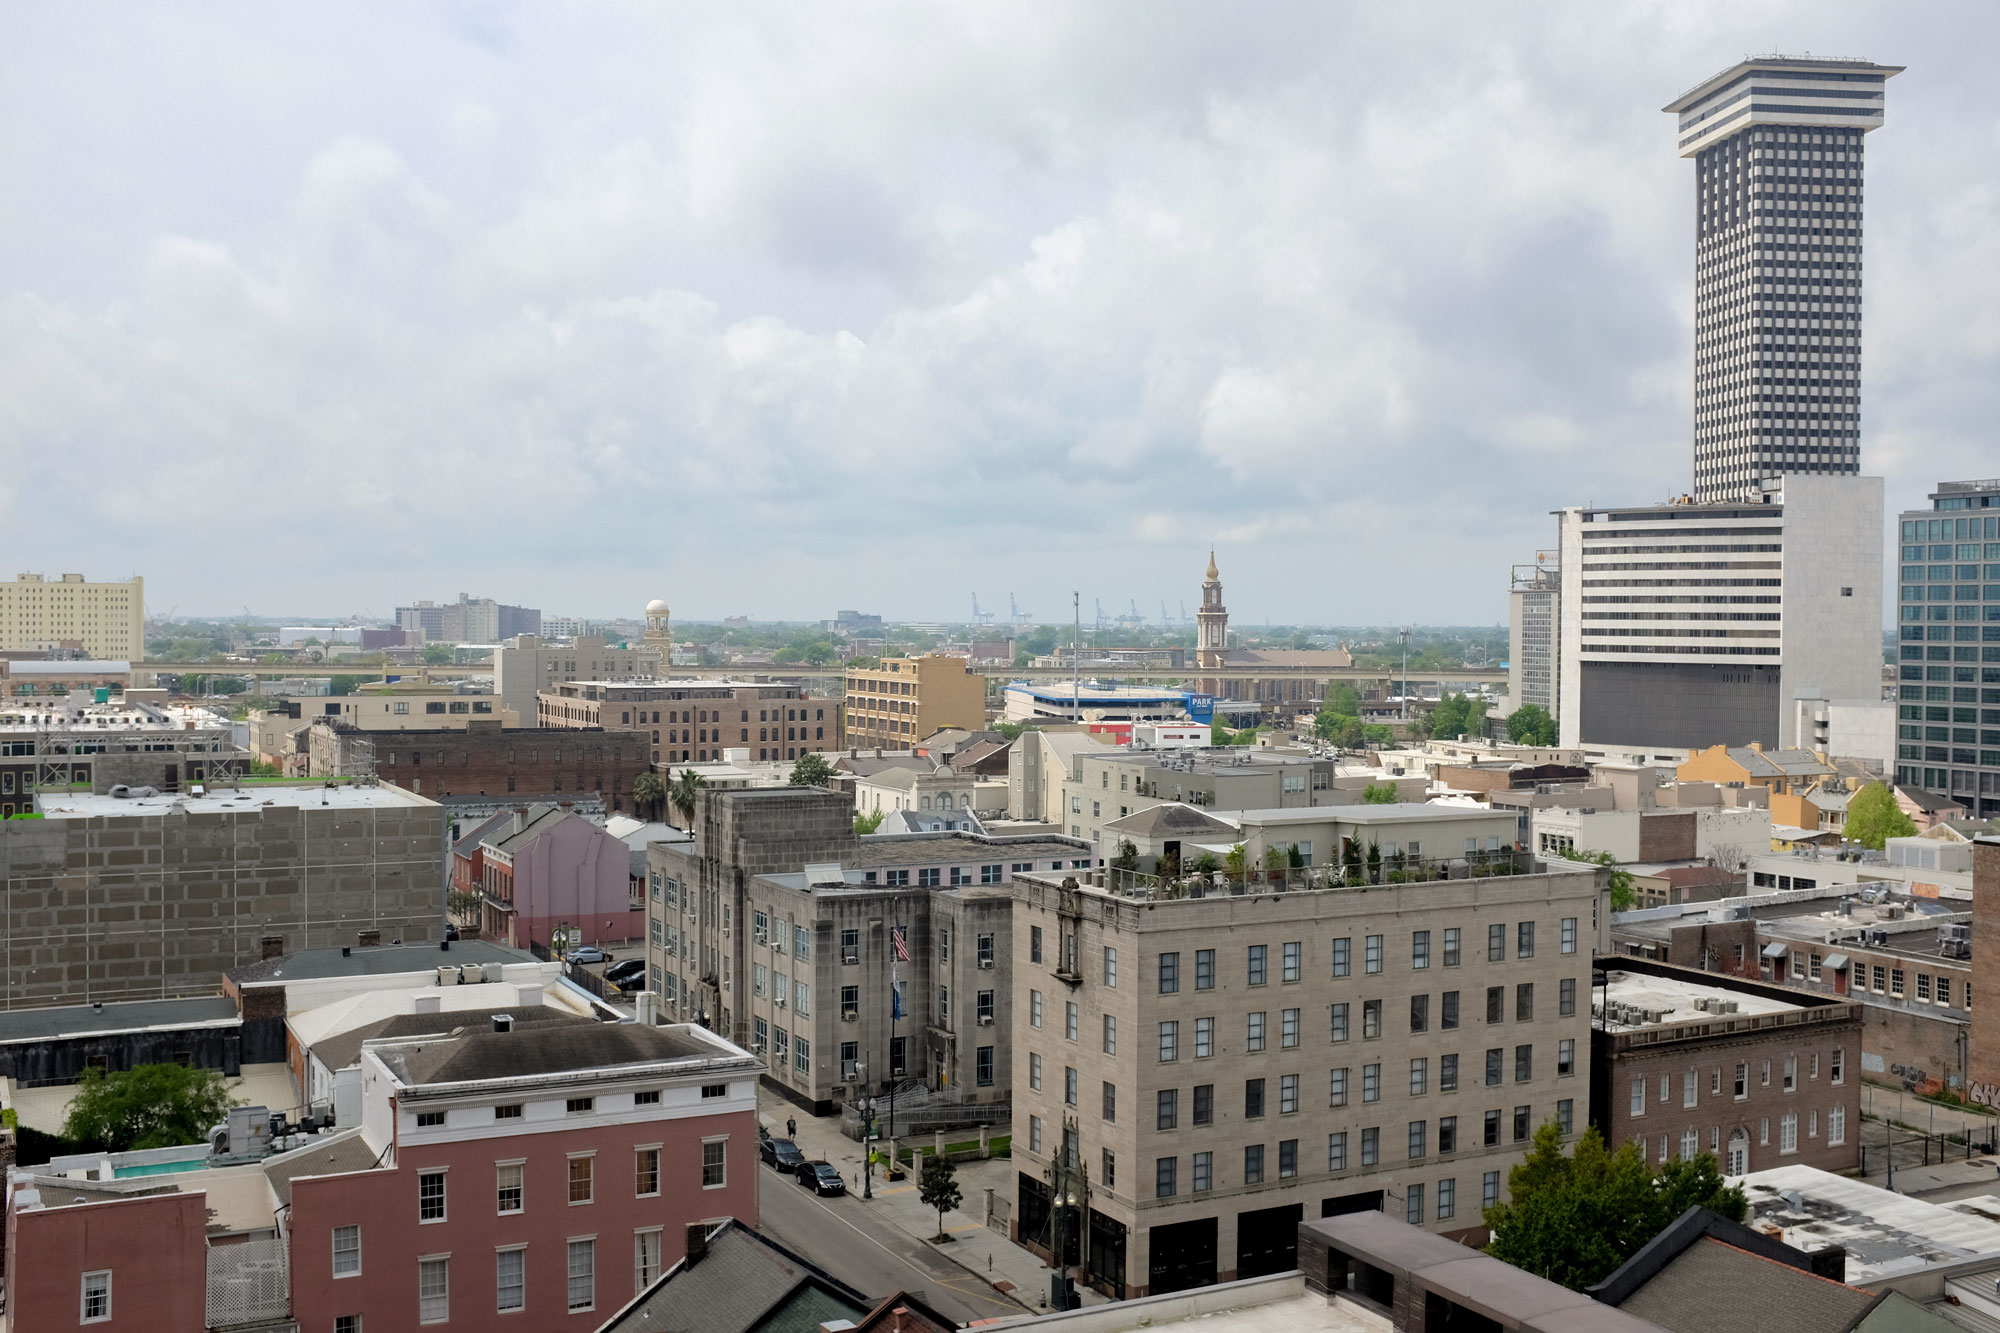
[{"x": 1385, "y": 871}]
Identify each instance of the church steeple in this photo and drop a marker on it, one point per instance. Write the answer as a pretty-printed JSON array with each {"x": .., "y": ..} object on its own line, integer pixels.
[{"x": 1211, "y": 628}]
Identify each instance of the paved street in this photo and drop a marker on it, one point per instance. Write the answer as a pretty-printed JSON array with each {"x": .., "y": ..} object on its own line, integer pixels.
[{"x": 868, "y": 1254}]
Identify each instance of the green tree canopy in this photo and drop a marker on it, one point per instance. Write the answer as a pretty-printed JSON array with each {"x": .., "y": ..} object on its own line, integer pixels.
[
  {"x": 1456, "y": 715},
  {"x": 1342, "y": 699},
  {"x": 1873, "y": 817},
  {"x": 1575, "y": 1219},
  {"x": 1379, "y": 793},
  {"x": 1376, "y": 733},
  {"x": 1531, "y": 724},
  {"x": 1619, "y": 885},
  {"x": 811, "y": 770},
  {"x": 1341, "y": 729},
  {"x": 684, "y": 792},
  {"x": 868, "y": 823},
  {"x": 148, "y": 1106},
  {"x": 938, "y": 1188},
  {"x": 648, "y": 792},
  {"x": 437, "y": 654}
]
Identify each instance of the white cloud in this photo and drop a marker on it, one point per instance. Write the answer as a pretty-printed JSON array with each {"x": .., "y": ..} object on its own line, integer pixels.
[{"x": 750, "y": 306}]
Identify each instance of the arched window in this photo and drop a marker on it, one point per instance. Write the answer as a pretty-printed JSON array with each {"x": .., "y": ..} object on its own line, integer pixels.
[
  {"x": 944, "y": 800},
  {"x": 926, "y": 803}
]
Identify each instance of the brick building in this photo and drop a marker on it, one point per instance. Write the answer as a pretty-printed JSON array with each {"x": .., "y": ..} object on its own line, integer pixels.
[
  {"x": 153, "y": 896},
  {"x": 905, "y": 699},
  {"x": 695, "y": 721},
  {"x": 1685, "y": 1062},
  {"x": 1983, "y": 1081},
  {"x": 488, "y": 760}
]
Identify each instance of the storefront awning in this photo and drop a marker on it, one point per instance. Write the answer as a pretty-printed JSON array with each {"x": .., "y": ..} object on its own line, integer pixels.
[
  {"x": 1774, "y": 951},
  {"x": 1837, "y": 961}
]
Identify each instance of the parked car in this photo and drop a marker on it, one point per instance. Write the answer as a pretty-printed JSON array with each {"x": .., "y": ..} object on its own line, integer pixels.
[
  {"x": 631, "y": 967},
  {"x": 589, "y": 953},
  {"x": 822, "y": 1178},
  {"x": 781, "y": 1153}
]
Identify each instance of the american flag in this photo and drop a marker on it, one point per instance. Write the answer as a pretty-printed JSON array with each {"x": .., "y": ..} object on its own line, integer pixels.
[{"x": 902, "y": 945}]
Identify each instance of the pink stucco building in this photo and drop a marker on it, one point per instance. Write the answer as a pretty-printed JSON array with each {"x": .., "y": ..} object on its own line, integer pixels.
[
  {"x": 545, "y": 1173},
  {"x": 544, "y": 867}
]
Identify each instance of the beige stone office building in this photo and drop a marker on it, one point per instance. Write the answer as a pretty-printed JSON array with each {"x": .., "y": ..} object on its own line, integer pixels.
[
  {"x": 527, "y": 664},
  {"x": 108, "y": 620},
  {"x": 1213, "y": 1070},
  {"x": 905, "y": 699},
  {"x": 694, "y": 721}
]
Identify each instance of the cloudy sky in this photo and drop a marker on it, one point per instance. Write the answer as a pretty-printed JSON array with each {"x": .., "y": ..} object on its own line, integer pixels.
[{"x": 774, "y": 309}]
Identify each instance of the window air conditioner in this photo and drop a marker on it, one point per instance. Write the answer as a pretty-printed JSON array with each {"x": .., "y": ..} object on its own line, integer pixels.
[
  {"x": 986, "y": 1020},
  {"x": 848, "y": 1015},
  {"x": 781, "y": 1001},
  {"x": 986, "y": 963}
]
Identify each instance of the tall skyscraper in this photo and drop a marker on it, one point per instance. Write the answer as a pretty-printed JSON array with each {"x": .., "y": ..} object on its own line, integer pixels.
[
  {"x": 1777, "y": 144},
  {"x": 1948, "y": 696}
]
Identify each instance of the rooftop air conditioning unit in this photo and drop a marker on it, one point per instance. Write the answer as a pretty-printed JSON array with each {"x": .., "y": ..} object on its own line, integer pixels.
[{"x": 447, "y": 976}]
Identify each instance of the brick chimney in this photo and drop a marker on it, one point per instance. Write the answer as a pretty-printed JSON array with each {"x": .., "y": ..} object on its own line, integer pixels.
[{"x": 697, "y": 1243}]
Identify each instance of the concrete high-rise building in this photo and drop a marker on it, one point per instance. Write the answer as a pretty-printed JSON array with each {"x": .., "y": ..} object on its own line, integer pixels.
[
  {"x": 1777, "y": 144},
  {"x": 1688, "y": 625},
  {"x": 1534, "y": 613},
  {"x": 106, "y": 620},
  {"x": 1948, "y": 705}
]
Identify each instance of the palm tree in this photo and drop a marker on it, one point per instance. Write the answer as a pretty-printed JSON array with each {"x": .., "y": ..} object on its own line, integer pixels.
[
  {"x": 648, "y": 793},
  {"x": 685, "y": 792}
]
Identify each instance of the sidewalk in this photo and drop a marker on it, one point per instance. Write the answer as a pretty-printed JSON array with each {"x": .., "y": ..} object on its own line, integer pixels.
[{"x": 984, "y": 1252}]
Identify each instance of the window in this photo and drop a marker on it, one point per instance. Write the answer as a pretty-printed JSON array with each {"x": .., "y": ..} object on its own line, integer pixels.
[
  {"x": 1163, "y": 1177},
  {"x": 1451, "y": 947},
  {"x": 1494, "y": 1057},
  {"x": 1566, "y": 996},
  {"x": 582, "y": 1178},
  {"x": 1288, "y": 1158},
  {"x": 1448, "y": 1134},
  {"x": 1420, "y": 1076},
  {"x": 1110, "y": 1034},
  {"x": 1034, "y": 1133},
  {"x": 1167, "y": 1108},
  {"x": 1420, "y": 1013},
  {"x": 582, "y": 1274},
  {"x": 1413, "y": 1200},
  {"x": 1524, "y": 1063},
  {"x": 1204, "y": 1103},
  {"x": 1690, "y": 1144},
  {"x": 1292, "y": 955},
  {"x": 1034, "y": 1072},
  {"x": 1340, "y": 957},
  {"x": 1111, "y": 1102},
  {"x": 1566, "y": 1116},
  {"x": 1371, "y": 1146},
  {"x": 1496, "y": 943},
  {"x": 1448, "y": 1011},
  {"x": 1689, "y": 1089},
  {"x": 1447, "y": 1203},
  {"x": 1110, "y": 967},
  {"x": 1788, "y": 1132},
  {"x": 1170, "y": 973},
  {"x": 1288, "y": 1028},
  {"x": 1371, "y": 1019},
  {"x": 1204, "y": 969},
  {"x": 1524, "y": 1002},
  {"x": 1371, "y": 1083},
  {"x": 1253, "y": 1039},
  {"x": 1170, "y": 1042},
  {"x": 714, "y": 1168},
  {"x": 1034, "y": 1008},
  {"x": 1034, "y": 944},
  {"x": 1638, "y": 1107},
  {"x": 1253, "y": 1098},
  {"x": 580, "y": 1105},
  {"x": 510, "y": 1280},
  {"x": 507, "y": 1186},
  {"x": 646, "y": 1171},
  {"x": 1288, "y": 1094},
  {"x": 1070, "y": 1013},
  {"x": 1339, "y": 1022},
  {"x": 1420, "y": 949},
  {"x": 430, "y": 1196},
  {"x": 1336, "y": 1093},
  {"x": 433, "y": 1290},
  {"x": 850, "y": 945},
  {"x": 982, "y": 1066},
  {"x": 1069, "y": 1085},
  {"x": 1372, "y": 954},
  {"x": 1520, "y": 1124},
  {"x": 346, "y": 1251},
  {"x": 1569, "y": 934},
  {"x": 1204, "y": 1038},
  {"x": 1791, "y": 1073},
  {"x": 1496, "y": 1003},
  {"x": 1448, "y": 1073},
  {"x": 645, "y": 1259},
  {"x": 1204, "y": 1171},
  {"x": 1255, "y": 973},
  {"x": 430, "y": 1119},
  {"x": 1253, "y": 1164},
  {"x": 1836, "y": 1068},
  {"x": 1489, "y": 1189},
  {"x": 1836, "y": 1126},
  {"x": 1336, "y": 1151}
]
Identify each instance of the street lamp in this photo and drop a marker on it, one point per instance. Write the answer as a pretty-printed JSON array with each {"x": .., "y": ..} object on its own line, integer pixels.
[{"x": 867, "y": 1137}]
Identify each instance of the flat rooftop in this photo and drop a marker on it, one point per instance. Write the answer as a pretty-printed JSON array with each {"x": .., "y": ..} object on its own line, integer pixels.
[
  {"x": 248, "y": 800},
  {"x": 1885, "y": 1234},
  {"x": 1278, "y": 1304},
  {"x": 79, "y": 1020},
  {"x": 1674, "y": 999},
  {"x": 547, "y": 1049},
  {"x": 374, "y": 961},
  {"x": 1403, "y": 812}
]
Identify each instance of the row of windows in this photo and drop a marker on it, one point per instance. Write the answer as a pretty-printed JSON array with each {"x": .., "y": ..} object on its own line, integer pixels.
[
  {"x": 510, "y": 1286},
  {"x": 1691, "y": 1080},
  {"x": 1737, "y": 1163},
  {"x": 1291, "y": 956},
  {"x": 510, "y": 1191}
]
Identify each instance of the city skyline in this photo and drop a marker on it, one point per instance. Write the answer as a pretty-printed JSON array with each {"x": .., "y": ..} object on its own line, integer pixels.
[{"x": 1216, "y": 285}]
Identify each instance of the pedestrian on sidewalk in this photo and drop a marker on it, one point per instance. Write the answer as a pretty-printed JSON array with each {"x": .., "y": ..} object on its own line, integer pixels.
[{"x": 791, "y": 1127}]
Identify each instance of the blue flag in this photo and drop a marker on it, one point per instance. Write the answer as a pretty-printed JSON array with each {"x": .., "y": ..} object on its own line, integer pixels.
[{"x": 896, "y": 999}]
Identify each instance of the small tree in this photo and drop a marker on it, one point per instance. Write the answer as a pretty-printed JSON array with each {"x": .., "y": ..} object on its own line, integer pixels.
[
  {"x": 1127, "y": 858},
  {"x": 1206, "y": 864},
  {"x": 868, "y": 823},
  {"x": 461, "y": 905},
  {"x": 1374, "y": 863},
  {"x": 811, "y": 770},
  {"x": 938, "y": 1188},
  {"x": 1623, "y": 896},
  {"x": 1380, "y": 793},
  {"x": 1274, "y": 863},
  {"x": 648, "y": 792},
  {"x": 147, "y": 1106},
  {"x": 685, "y": 792},
  {"x": 1873, "y": 817},
  {"x": 1237, "y": 862}
]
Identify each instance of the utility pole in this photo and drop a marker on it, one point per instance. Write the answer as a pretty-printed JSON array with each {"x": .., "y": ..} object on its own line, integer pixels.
[
  {"x": 1404, "y": 636},
  {"x": 1075, "y": 649}
]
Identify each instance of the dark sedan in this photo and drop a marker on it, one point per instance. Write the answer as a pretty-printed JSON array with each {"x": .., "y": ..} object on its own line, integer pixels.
[
  {"x": 781, "y": 1153},
  {"x": 631, "y": 967},
  {"x": 822, "y": 1178}
]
